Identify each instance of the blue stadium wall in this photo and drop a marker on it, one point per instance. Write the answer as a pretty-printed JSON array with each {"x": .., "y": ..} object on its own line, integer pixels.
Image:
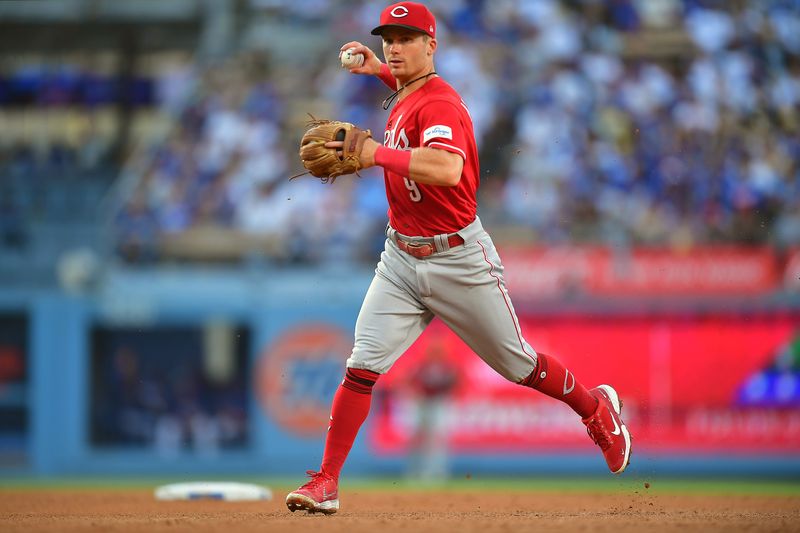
[{"x": 57, "y": 396}]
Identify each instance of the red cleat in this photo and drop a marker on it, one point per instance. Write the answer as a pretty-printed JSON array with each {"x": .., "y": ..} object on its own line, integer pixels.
[
  {"x": 607, "y": 430},
  {"x": 319, "y": 495}
]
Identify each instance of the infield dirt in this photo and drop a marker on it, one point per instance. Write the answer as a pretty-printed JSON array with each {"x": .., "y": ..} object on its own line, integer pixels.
[{"x": 118, "y": 510}]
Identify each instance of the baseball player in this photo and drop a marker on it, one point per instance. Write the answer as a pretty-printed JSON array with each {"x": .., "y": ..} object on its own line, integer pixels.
[{"x": 438, "y": 260}]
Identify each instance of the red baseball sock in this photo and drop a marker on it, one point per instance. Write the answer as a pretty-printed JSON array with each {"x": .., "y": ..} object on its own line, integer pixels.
[
  {"x": 350, "y": 409},
  {"x": 552, "y": 378}
]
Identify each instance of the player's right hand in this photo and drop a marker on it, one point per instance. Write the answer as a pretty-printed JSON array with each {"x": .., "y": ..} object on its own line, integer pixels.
[{"x": 371, "y": 66}]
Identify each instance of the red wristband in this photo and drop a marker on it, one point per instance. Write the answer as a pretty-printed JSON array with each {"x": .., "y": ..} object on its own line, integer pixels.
[
  {"x": 386, "y": 77},
  {"x": 398, "y": 161}
]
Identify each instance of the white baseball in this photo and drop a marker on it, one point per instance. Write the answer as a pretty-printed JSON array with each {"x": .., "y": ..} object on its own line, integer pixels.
[{"x": 351, "y": 60}]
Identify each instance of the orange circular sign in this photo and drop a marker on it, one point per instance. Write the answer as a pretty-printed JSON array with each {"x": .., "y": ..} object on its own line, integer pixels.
[{"x": 297, "y": 376}]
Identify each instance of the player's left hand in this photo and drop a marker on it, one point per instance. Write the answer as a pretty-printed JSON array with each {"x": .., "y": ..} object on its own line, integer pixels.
[
  {"x": 367, "y": 155},
  {"x": 331, "y": 148}
]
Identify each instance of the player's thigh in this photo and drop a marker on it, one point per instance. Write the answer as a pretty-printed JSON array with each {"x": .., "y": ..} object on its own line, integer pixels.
[
  {"x": 389, "y": 322},
  {"x": 474, "y": 302}
]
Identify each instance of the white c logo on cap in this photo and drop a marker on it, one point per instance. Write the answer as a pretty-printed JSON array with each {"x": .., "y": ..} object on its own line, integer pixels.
[{"x": 399, "y": 12}]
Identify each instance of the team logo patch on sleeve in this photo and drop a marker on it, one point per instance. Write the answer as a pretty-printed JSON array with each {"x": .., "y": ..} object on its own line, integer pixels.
[{"x": 437, "y": 132}]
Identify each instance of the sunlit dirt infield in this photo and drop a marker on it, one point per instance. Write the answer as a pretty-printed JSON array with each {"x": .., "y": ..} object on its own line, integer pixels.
[{"x": 383, "y": 511}]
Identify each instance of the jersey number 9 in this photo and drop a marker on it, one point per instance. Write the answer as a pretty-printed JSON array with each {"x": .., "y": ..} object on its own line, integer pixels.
[{"x": 414, "y": 193}]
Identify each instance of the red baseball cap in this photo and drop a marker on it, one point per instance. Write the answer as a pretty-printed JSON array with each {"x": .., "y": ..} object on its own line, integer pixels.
[{"x": 410, "y": 15}]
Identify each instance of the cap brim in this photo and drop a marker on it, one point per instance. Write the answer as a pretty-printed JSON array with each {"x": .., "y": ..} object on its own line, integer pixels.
[{"x": 379, "y": 29}]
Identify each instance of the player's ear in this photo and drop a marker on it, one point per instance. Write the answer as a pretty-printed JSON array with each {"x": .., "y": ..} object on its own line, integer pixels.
[{"x": 431, "y": 46}]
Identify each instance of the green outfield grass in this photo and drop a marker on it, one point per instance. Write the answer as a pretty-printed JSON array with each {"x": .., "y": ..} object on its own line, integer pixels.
[{"x": 627, "y": 485}]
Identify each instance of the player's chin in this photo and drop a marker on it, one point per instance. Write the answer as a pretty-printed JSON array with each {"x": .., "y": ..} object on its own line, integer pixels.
[{"x": 397, "y": 69}]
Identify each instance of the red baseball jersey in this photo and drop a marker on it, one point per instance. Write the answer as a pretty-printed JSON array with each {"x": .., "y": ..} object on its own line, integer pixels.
[{"x": 436, "y": 117}]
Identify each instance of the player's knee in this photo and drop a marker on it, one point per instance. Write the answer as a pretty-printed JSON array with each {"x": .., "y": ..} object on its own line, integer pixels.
[
  {"x": 357, "y": 365},
  {"x": 509, "y": 372},
  {"x": 514, "y": 371},
  {"x": 358, "y": 360},
  {"x": 369, "y": 358}
]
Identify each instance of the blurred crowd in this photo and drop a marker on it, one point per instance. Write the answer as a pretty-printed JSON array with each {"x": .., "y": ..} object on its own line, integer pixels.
[
  {"x": 60, "y": 117},
  {"x": 226, "y": 163},
  {"x": 621, "y": 122},
  {"x": 140, "y": 398}
]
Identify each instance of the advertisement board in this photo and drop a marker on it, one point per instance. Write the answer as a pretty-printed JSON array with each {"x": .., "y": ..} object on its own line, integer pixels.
[
  {"x": 725, "y": 382},
  {"x": 534, "y": 273}
]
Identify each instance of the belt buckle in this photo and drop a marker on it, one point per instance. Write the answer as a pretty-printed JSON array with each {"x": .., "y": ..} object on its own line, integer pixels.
[{"x": 418, "y": 249}]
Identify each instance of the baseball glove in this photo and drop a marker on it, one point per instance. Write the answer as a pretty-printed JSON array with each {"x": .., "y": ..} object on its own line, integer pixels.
[{"x": 329, "y": 163}]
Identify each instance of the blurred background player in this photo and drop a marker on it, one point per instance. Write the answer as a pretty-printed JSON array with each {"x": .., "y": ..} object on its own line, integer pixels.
[
  {"x": 432, "y": 383},
  {"x": 438, "y": 260}
]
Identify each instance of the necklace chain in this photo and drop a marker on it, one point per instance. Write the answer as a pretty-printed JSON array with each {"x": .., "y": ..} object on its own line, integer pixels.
[{"x": 388, "y": 101}]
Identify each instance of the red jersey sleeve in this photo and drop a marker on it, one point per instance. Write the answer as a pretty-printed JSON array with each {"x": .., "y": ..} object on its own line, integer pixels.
[{"x": 441, "y": 125}]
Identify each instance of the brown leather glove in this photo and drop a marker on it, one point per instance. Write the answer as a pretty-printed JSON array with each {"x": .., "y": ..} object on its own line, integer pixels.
[{"x": 329, "y": 163}]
